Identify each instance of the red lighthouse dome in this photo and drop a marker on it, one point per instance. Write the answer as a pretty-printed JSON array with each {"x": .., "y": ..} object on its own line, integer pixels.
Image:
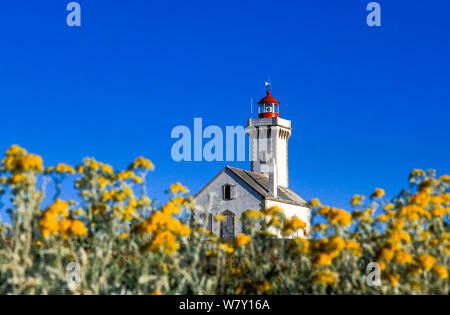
[{"x": 268, "y": 106}]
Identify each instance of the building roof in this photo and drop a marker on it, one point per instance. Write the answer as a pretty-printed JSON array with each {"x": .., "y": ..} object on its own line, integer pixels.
[
  {"x": 268, "y": 99},
  {"x": 260, "y": 183}
]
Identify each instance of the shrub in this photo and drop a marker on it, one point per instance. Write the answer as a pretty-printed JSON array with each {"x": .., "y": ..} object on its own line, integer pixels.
[{"x": 124, "y": 244}]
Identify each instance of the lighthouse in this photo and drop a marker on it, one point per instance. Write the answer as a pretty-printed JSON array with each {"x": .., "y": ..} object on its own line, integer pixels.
[
  {"x": 235, "y": 190},
  {"x": 269, "y": 135}
]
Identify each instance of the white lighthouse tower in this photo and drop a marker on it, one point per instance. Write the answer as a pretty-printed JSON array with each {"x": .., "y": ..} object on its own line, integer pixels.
[{"x": 269, "y": 135}]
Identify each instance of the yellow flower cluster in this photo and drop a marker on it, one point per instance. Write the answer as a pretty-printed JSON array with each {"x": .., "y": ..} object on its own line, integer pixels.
[
  {"x": 242, "y": 239},
  {"x": 315, "y": 203},
  {"x": 378, "y": 193},
  {"x": 19, "y": 163},
  {"x": 118, "y": 195},
  {"x": 125, "y": 175},
  {"x": 327, "y": 249},
  {"x": 56, "y": 220},
  {"x": 142, "y": 163},
  {"x": 225, "y": 247},
  {"x": 324, "y": 277},
  {"x": 357, "y": 200},
  {"x": 427, "y": 261},
  {"x": 164, "y": 228},
  {"x": 61, "y": 168},
  {"x": 336, "y": 216},
  {"x": 320, "y": 227},
  {"x": 92, "y": 164},
  {"x": 165, "y": 241},
  {"x": 441, "y": 271},
  {"x": 394, "y": 278},
  {"x": 252, "y": 214},
  {"x": 178, "y": 188},
  {"x": 292, "y": 225}
]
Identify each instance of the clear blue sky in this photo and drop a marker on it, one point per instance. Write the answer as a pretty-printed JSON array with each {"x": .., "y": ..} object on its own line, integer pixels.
[{"x": 367, "y": 104}]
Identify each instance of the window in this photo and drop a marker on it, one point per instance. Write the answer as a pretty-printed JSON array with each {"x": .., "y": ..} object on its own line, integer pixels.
[
  {"x": 263, "y": 157},
  {"x": 229, "y": 192},
  {"x": 209, "y": 225},
  {"x": 227, "y": 225}
]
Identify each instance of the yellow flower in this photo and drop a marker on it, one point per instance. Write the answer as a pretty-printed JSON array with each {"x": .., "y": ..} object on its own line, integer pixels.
[
  {"x": 142, "y": 162},
  {"x": 394, "y": 278},
  {"x": 319, "y": 227},
  {"x": 383, "y": 218},
  {"x": 445, "y": 178},
  {"x": 156, "y": 293},
  {"x": 378, "y": 193},
  {"x": 77, "y": 227},
  {"x": 242, "y": 239},
  {"x": 438, "y": 211},
  {"x": 300, "y": 245},
  {"x": 415, "y": 269},
  {"x": 296, "y": 223},
  {"x": 403, "y": 257},
  {"x": 219, "y": 217},
  {"x": 397, "y": 225},
  {"x": 339, "y": 217},
  {"x": 415, "y": 174},
  {"x": 78, "y": 211},
  {"x": 80, "y": 169},
  {"x": 254, "y": 214},
  {"x": 176, "y": 188},
  {"x": 323, "y": 260},
  {"x": 15, "y": 150},
  {"x": 145, "y": 201},
  {"x": 293, "y": 225},
  {"x": 17, "y": 178},
  {"x": 125, "y": 175},
  {"x": 170, "y": 208},
  {"x": 163, "y": 241},
  {"x": 324, "y": 277},
  {"x": 387, "y": 254},
  {"x": 314, "y": 203},
  {"x": 354, "y": 247},
  {"x": 388, "y": 206},
  {"x": 226, "y": 248},
  {"x": 427, "y": 261},
  {"x": 357, "y": 200},
  {"x": 441, "y": 271},
  {"x": 397, "y": 236},
  {"x": 265, "y": 286},
  {"x": 274, "y": 210},
  {"x": 123, "y": 236},
  {"x": 64, "y": 168}
]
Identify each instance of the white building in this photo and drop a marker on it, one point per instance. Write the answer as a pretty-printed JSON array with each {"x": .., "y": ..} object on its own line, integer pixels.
[{"x": 266, "y": 185}]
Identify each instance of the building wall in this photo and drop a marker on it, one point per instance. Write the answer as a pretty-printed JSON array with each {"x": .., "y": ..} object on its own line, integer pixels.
[{"x": 246, "y": 198}]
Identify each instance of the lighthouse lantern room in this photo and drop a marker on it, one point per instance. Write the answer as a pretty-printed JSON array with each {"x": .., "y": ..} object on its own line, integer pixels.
[{"x": 269, "y": 106}]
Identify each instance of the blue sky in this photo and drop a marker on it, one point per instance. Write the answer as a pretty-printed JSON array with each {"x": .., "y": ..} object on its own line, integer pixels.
[{"x": 367, "y": 104}]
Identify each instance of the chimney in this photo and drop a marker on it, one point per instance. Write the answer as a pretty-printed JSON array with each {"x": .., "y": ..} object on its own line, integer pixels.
[{"x": 273, "y": 184}]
